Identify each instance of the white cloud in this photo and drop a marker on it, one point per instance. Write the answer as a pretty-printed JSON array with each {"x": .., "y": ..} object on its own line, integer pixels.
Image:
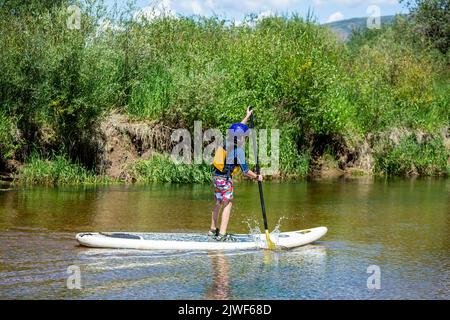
[
  {"x": 383, "y": 2},
  {"x": 253, "y": 22},
  {"x": 266, "y": 4},
  {"x": 283, "y": 3},
  {"x": 354, "y": 3},
  {"x": 335, "y": 17},
  {"x": 162, "y": 8},
  {"x": 210, "y": 4},
  {"x": 319, "y": 3},
  {"x": 265, "y": 14},
  {"x": 196, "y": 7},
  {"x": 240, "y": 8},
  {"x": 235, "y": 6},
  {"x": 347, "y": 2}
]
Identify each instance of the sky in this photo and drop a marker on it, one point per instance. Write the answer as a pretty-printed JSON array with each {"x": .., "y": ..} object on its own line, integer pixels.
[{"x": 324, "y": 10}]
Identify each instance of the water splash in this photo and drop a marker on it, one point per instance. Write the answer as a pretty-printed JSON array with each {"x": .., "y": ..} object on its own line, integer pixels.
[
  {"x": 255, "y": 231},
  {"x": 275, "y": 233}
]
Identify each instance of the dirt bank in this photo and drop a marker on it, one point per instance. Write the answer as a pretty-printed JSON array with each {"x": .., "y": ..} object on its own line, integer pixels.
[
  {"x": 122, "y": 141},
  {"x": 119, "y": 142},
  {"x": 334, "y": 156}
]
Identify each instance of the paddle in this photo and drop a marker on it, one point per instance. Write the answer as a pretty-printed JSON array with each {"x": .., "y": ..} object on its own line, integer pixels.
[{"x": 270, "y": 244}]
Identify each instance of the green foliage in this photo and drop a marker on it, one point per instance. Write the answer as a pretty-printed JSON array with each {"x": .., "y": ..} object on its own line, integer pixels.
[
  {"x": 56, "y": 171},
  {"x": 210, "y": 71},
  {"x": 161, "y": 168},
  {"x": 299, "y": 77},
  {"x": 431, "y": 21},
  {"x": 8, "y": 143},
  {"x": 55, "y": 76},
  {"x": 151, "y": 96},
  {"x": 409, "y": 157},
  {"x": 292, "y": 162},
  {"x": 394, "y": 84}
]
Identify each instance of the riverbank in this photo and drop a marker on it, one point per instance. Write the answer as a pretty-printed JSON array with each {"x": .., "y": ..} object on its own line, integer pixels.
[
  {"x": 137, "y": 152},
  {"x": 99, "y": 104},
  {"x": 129, "y": 151}
]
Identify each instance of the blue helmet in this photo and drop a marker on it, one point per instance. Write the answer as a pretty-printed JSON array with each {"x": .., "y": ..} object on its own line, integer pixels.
[{"x": 238, "y": 128}]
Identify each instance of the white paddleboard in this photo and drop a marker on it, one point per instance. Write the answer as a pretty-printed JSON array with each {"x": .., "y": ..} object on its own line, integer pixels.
[{"x": 195, "y": 241}]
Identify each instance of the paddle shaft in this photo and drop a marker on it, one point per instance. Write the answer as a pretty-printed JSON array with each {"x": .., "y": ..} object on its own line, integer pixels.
[{"x": 255, "y": 151}]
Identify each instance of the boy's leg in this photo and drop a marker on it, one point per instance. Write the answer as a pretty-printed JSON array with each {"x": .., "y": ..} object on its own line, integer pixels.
[
  {"x": 225, "y": 216},
  {"x": 215, "y": 215}
]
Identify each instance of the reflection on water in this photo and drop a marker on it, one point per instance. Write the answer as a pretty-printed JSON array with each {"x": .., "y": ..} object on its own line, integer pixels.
[
  {"x": 220, "y": 288},
  {"x": 401, "y": 226}
]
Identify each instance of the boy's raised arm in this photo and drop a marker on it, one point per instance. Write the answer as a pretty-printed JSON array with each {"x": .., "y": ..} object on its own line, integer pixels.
[{"x": 249, "y": 113}]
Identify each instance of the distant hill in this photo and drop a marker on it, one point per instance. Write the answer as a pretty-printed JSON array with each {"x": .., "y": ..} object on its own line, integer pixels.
[{"x": 344, "y": 28}]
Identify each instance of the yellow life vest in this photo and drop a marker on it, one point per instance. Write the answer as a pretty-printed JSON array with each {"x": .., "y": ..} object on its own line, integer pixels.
[{"x": 219, "y": 161}]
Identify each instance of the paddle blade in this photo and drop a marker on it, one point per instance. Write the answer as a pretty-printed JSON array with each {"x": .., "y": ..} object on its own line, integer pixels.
[{"x": 270, "y": 244}]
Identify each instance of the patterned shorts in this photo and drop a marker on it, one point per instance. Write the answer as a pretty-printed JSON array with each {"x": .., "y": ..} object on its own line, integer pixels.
[{"x": 223, "y": 189}]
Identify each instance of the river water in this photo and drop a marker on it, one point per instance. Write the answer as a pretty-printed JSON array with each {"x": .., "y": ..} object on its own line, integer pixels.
[{"x": 399, "y": 227}]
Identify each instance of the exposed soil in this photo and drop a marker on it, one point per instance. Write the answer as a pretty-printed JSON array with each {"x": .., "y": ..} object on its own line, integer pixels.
[
  {"x": 121, "y": 142},
  {"x": 333, "y": 156}
]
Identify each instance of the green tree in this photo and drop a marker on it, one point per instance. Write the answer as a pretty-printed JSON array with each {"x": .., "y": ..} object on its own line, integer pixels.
[{"x": 432, "y": 19}]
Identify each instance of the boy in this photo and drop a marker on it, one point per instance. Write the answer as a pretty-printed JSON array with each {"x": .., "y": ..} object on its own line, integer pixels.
[{"x": 223, "y": 184}]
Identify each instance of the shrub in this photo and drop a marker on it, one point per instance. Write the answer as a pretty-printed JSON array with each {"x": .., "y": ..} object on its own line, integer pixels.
[{"x": 409, "y": 157}]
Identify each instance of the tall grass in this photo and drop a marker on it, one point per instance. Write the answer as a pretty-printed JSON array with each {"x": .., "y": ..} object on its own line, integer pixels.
[
  {"x": 160, "y": 168},
  {"x": 57, "y": 171}
]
